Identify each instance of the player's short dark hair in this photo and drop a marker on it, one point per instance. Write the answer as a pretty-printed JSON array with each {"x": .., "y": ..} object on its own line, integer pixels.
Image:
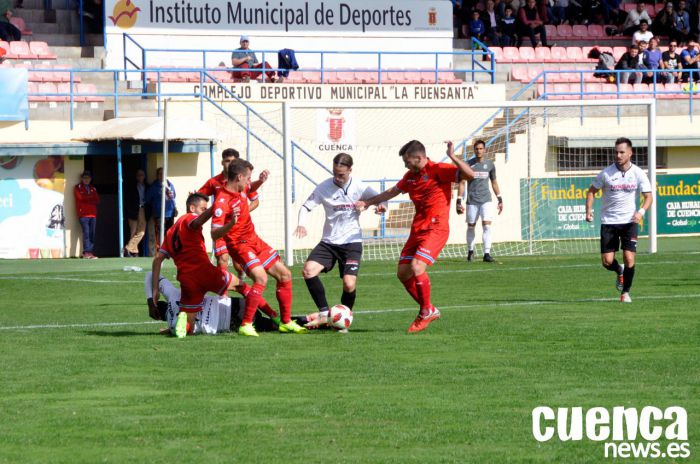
[
  {"x": 634, "y": 47},
  {"x": 643, "y": 21},
  {"x": 479, "y": 142},
  {"x": 237, "y": 166},
  {"x": 414, "y": 146},
  {"x": 343, "y": 159},
  {"x": 230, "y": 152},
  {"x": 594, "y": 53},
  {"x": 623, "y": 140},
  {"x": 195, "y": 198}
]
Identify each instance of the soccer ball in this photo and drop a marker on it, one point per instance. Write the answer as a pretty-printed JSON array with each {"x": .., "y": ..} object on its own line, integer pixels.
[{"x": 340, "y": 317}]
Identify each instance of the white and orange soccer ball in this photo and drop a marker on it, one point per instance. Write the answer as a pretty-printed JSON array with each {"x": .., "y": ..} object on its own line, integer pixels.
[{"x": 340, "y": 317}]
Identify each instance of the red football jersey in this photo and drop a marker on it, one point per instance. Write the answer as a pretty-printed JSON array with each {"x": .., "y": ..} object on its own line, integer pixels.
[
  {"x": 216, "y": 183},
  {"x": 430, "y": 191},
  {"x": 225, "y": 203},
  {"x": 185, "y": 245}
]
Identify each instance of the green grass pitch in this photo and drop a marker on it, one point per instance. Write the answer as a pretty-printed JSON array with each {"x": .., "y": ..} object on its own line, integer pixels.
[{"x": 102, "y": 385}]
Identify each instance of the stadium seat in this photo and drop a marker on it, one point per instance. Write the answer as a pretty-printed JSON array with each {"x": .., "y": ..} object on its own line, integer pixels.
[
  {"x": 642, "y": 91},
  {"x": 571, "y": 76},
  {"x": 527, "y": 54},
  {"x": 677, "y": 90},
  {"x": 64, "y": 88},
  {"x": 610, "y": 91},
  {"x": 596, "y": 31},
  {"x": 294, "y": 77},
  {"x": 535, "y": 72},
  {"x": 580, "y": 31},
  {"x": 626, "y": 91},
  {"x": 593, "y": 91},
  {"x": 19, "y": 24},
  {"x": 50, "y": 87},
  {"x": 220, "y": 75},
  {"x": 559, "y": 54},
  {"x": 366, "y": 77},
  {"x": 618, "y": 52},
  {"x": 40, "y": 76},
  {"x": 497, "y": 53},
  {"x": 413, "y": 77},
  {"x": 312, "y": 77},
  {"x": 564, "y": 31},
  {"x": 8, "y": 52},
  {"x": 659, "y": 7},
  {"x": 563, "y": 88},
  {"x": 33, "y": 87},
  {"x": 651, "y": 10},
  {"x": 386, "y": 79},
  {"x": 510, "y": 55},
  {"x": 518, "y": 74},
  {"x": 21, "y": 50},
  {"x": 89, "y": 89},
  {"x": 551, "y": 31},
  {"x": 448, "y": 77},
  {"x": 574, "y": 54},
  {"x": 41, "y": 50},
  {"x": 543, "y": 54},
  {"x": 64, "y": 76},
  {"x": 628, "y": 7}
]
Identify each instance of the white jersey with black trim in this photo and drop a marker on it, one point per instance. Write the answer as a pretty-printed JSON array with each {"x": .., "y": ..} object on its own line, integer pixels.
[
  {"x": 620, "y": 190},
  {"x": 214, "y": 317},
  {"x": 342, "y": 224}
]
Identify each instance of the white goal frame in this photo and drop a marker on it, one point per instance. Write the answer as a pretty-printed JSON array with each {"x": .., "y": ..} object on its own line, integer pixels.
[{"x": 287, "y": 107}]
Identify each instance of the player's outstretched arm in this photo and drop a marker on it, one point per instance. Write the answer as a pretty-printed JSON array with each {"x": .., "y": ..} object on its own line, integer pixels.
[
  {"x": 466, "y": 172},
  {"x": 590, "y": 195},
  {"x": 220, "y": 232},
  {"x": 383, "y": 197},
  {"x": 261, "y": 180},
  {"x": 202, "y": 218},
  {"x": 155, "y": 274}
]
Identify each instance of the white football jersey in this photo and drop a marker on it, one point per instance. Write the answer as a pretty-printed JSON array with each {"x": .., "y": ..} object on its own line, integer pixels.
[
  {"x": 214, "y": 317},
  {"x": 342, "y": 219},
  {"x": 620, "y": 193}
]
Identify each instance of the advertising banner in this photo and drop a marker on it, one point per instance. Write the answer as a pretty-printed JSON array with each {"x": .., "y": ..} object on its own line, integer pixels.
[
  {"x": 678, "y": 204},
  {"x": 14, "y": 105},
  {"x": 31, "y": 207}
]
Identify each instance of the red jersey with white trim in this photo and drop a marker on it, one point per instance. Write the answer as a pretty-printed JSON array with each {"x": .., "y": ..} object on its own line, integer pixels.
[
  {"x": 216, "y": 183},
  {"x": 430, "y": 191},
  {"x": 225, "y": 203},
  {"x": 185, "y": 245}
]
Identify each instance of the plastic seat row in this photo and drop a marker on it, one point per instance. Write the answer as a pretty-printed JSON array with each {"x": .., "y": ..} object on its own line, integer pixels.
[
  {"x": 651, "y": 8},
  {"x": 597, "y": 91},
  {"x": 35, "y": 50},
  {"x": 55, "y": 73},
  {"x": 81, "y": 92},
  {"x": 527, "y": 74},
  {"x": 576, "y": 32}
]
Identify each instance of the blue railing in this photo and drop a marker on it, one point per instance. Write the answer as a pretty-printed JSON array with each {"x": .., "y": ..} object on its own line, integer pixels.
[{"x": 477, "y": 56}]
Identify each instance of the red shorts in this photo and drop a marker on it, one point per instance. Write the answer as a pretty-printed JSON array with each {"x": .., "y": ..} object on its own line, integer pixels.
[
  {"x": 424, "y": 246},
  {"x": 195, "y": 285},
  {"x": 220, "y": 247},
  {"x": 253, "y": 252}
]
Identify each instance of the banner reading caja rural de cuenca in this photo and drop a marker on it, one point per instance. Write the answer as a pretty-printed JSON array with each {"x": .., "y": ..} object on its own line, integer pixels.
[
  {"x": 289, "y": 16},
  {"x": 31, "y": 207}
]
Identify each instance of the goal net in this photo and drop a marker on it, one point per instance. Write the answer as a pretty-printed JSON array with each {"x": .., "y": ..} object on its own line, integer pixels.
[{"x": 545, "y": 154}]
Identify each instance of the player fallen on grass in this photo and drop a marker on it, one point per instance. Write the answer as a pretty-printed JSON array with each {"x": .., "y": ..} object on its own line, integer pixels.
[
  {"x": 184, "y": 243},
  {"x": 479, "y": 202},
  {"x": 210, "y": 188},
  {"x": 429, "y": 185},
  {"x": 342, "y": 237},
  {"x": 233, "y": 223},
  {"x": 219, "y": 313},
  {"x": 619, "y": 216}
]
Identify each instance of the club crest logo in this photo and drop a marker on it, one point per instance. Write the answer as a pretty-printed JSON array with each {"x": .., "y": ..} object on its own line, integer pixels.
[
  {"x": 335, "y": 124},
  {"x": 218, "y": 212},
  {"x": 432, "y": 17}
]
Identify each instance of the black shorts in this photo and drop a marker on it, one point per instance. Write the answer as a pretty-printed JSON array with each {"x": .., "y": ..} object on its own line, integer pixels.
[
  {"x": 612, "y": 235},
  {"x": 348, "y": 256}
]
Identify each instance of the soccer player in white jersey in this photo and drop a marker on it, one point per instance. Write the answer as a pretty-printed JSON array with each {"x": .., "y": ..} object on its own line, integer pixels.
[
  {"x": 342, "y": 237},
  {"x": 619, "y": 216}
]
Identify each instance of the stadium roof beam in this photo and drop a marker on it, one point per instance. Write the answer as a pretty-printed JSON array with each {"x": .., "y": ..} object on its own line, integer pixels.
[{"x": 607, "y": 142}]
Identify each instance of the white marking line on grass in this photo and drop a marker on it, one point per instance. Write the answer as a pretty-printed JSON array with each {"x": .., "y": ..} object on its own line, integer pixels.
[
  {"x": 69, "y": 279},
  {"x": 368, "y": 312}
]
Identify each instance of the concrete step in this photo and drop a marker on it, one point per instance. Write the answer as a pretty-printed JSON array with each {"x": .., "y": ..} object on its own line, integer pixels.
[
  {"x": 66, "y": 40},
  {"x": 39, "y": 5},
  {"x": 67, "y": 52}
]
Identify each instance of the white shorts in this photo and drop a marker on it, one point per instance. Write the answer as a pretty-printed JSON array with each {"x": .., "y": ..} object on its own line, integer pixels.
[{"x": 480, "y": 210}]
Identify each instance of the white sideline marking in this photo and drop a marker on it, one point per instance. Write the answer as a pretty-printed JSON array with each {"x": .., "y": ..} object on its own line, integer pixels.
[
  {"x": 369, "y": 311},
  {"x": 69, "y": 279}
]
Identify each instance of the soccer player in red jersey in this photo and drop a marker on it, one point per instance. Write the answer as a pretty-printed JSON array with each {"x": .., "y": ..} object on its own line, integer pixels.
[
  {"x": 184, "y": 243},
  {"x": 232, "y": 222},
  {"x": 210, "y": 188},
  {"x": 429, "y": 185}
]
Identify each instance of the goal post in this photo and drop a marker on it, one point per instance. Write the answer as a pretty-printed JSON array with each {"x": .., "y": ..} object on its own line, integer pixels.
[{"x": 545, "y": 152}]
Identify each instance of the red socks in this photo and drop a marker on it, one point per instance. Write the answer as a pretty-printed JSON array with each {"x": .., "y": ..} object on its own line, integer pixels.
[
  {"x": 252, "y": 300},
  {"x": 423, "y": 291},
  {"x": 410, "y": 285},
  {"x": 263, "y": 305},
  {"x": 284, "y": 297}
]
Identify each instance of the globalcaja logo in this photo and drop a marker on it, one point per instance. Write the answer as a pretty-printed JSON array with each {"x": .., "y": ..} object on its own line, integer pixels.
[
  {"x": 125, "y": 14},
  {"x": 626, "y": 432}
]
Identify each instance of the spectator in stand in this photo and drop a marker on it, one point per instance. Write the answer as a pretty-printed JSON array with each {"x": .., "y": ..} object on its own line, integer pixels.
[
  {"x": 513, "y": 4},
  {"x": 8, "y": 32},
  {"x": 652, "y": 61},
  {"x": 244, "y": 58},
  {"x": 476, "y": 26},
  {"x": 670, "y": 61},
  {"x": 490, "y": 20},
  {"x": 86, "y": 201},
  {"x": 689, "y": 60},
  {"x": 642, "y": 34},
  {"x": 606, "y": 62},
  {"x": 153, "y": 204},
  {"x": 556, "y": 11},
  {"x": 612, "y": 13},
  {"x": 135, "y": 209},
  {"x": 695, "y": 23},
  {"x": 628, "y": 62},
  {"x": 508, "y": 28},
  {"x": 681, "y": 23},
  {"x": 595, "y": 13},
  {"x": 531, "y": 24},
  {"x": 634, "y": 17},
  {"x": 468, "y": 7},
  {"x": 663, "y": 21},
  {"x": 457, "y": 17}
]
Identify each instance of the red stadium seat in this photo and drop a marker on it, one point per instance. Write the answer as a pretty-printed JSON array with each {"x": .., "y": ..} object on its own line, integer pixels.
[
  {"x": 628, "y": 7},
  {"x": 551, "y": 31},
  {"x": 618, "y": 52},
  {"x": 564, "y": 31},
  {"x": 311, "y": 77},
  {"x": 497, "y": 53},
  {"x": 8, "y": 53},
  {"x": 593, "y": 91},
  {"x": 89, "y": 89},
  {"x": 413, "y": 77},
  {"x": 642, "y": 91},
  {"x": 386, "y": 79},
  {"x": 534, "y": 72},
  {"x": 42, "y": 76},
  {"x": 677, "y": 90},
  {"x": 610, "y": 91},
  {"x": 527, "y": 54},
  {"x": 573, "y": 77},
  {"x": 518, "y": 73},
  {"x": 580, "y": 31},
  {"x": 33, "y": 87},
  {"x": 41, "y": 50},
  {"x": 448, "y": 77},
  {"x": 396, "y": 77},
  {"x": 64, "y": 76},
  {"x": 626, "y": 91},
  {"x": 595, "y": 31},
  {"x": 366, "y": 77},
  {"x": 50, "y": 87},
  {"x": 64, "y": 88},
  {"x": 563, "y": 88},
  {"x": 21, "y": 50},
  {"x": 651, "y": 10},
  {"x": 19, "y": 24},
  {"x": 559, "y": 54},
  {"x": 543, "y": 54},
  {"x": 510, "y": 55},
  {"x": 220, "y": 75},
  {"x": 574, "y": 54},
  {"x": 659, "y": 7}
]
